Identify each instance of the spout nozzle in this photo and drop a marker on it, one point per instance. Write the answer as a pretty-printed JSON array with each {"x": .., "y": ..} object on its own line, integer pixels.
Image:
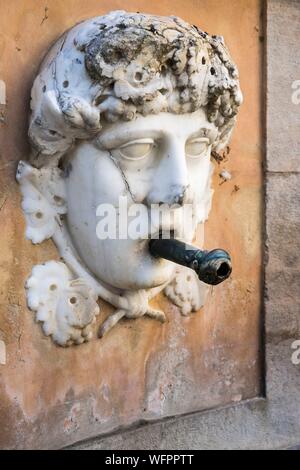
[{"x": 212, "y": 267}]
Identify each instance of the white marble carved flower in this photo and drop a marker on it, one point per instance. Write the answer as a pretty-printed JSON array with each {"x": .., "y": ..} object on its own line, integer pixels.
[
  {"x": 186, "y": 291},
  {"x": 43, "y": 200},
  {"x": 67, "y": 307}
]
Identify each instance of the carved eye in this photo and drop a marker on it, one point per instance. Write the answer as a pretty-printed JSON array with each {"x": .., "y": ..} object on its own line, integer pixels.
[
  {"x": 197, "y": 147},
  {"x": 136, "y": 149}
]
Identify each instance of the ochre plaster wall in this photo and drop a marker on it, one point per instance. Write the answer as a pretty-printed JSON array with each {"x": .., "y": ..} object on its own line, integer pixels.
[{"x": 50, "y": 396}]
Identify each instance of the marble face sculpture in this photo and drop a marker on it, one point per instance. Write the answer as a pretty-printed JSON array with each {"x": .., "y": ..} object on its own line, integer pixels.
[{"x": 125, "y": 107}]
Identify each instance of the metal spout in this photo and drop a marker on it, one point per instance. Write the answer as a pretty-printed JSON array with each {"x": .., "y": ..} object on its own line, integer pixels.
[{"x": 212, "y": 267}]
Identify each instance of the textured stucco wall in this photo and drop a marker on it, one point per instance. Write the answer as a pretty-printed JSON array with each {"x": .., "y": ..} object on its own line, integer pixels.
[
  {"x": 273, "y": 422},
  {"x": 52, "y": 397}
]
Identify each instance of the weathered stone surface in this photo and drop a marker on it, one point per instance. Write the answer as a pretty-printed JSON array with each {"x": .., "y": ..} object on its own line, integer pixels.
[
  {"x": 283, "y": 221},
  {"x": 51, "y": 397},
  {"x": 258, "y": 424},
  {"x": 273, "y": 423},
  {"x": 282, "y": 317},
  {"x": 283, "y": 248},
  {"x": 283, "y": 136}
]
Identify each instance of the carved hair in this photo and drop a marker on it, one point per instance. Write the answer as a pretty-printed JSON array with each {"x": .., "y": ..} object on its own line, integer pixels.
[{"x": 117, "y": 66}]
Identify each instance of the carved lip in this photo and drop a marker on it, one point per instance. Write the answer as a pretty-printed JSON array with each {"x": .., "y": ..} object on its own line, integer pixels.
[{"x": 163, "y": 234}]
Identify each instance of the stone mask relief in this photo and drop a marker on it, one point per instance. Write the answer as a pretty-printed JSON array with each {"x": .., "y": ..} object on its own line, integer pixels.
[{"x": 126, "y": 109}]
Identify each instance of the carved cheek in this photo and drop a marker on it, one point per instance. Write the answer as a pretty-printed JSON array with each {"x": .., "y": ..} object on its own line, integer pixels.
[
  {"x": 108, "y": 180},
  {"x": 139, "y": 181}
]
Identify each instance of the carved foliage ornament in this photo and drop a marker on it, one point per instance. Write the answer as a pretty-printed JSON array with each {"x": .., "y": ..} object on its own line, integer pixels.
[{"x": 124, "y": 105}]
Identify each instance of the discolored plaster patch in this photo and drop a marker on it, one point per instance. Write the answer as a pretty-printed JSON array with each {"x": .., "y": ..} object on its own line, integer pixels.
[
  {"x": 39, "y": 376},
  {"x": 2, "y": 352},
  {"x": 2, "y": 93}
]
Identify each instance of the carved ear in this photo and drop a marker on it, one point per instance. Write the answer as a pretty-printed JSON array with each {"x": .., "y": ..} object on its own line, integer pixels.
[
  {"x": 225, "y": 136},
  {"x": 43, "y": 200},
  {"x": 47, "y": 130},
  {"x": 61, "y": 106}
]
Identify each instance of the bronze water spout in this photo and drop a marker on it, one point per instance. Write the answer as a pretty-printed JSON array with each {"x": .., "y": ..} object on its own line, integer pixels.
[{"x": 212, "y": 267}]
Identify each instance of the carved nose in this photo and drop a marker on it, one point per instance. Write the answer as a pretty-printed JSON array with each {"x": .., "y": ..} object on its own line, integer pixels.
[
  {"x": 179, "y": 195},
  {"x": 176, "y": 195},
  {"x": 171, "y": 179}
]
